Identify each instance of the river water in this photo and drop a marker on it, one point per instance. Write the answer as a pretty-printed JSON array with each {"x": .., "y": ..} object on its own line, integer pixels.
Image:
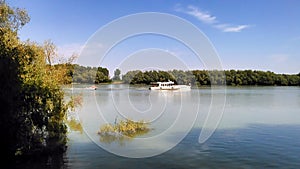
[{"x": 259, "y": 128}]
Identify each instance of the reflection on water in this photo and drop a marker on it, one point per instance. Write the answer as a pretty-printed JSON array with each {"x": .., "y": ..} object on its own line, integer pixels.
[
  {"x": 116, "y": 138},
  {"x": 121, "y": 139},
  {"x": 53, "y": 161}
]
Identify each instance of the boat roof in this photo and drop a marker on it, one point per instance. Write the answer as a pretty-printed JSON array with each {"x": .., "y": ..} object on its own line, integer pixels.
[{"x": 169, "y": 82}]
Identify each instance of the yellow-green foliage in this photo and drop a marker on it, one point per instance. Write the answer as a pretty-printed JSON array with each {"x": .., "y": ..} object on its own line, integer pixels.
[
  {"x": 125, "y": 127},
  {"x": 106, "y": 128},
  {"x": 74, "y": 125}
]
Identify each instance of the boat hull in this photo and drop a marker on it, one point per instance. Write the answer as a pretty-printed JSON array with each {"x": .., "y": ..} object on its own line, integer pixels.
[{"x": 177, "y": 87}]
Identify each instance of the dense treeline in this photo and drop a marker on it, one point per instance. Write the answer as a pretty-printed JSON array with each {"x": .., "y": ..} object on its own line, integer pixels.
[
  {"x": 139, "y": 77},
  {"x": 31, "y": 99},
  {"x": 81, "y": 74},
  {"x": 206, "y": 77},
  {"x": 249, "y": 77}
]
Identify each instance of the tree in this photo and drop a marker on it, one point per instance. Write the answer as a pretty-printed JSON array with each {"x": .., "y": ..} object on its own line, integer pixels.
[
  {"x": 213, "y": 77},
  {"x": 128, "y": 77},
  {"x": 50, "y": 51},
  {"x": 12, "y": 19},
  {"x": 117, "y": 73},
  {"x": 31, "y": 99},
  {"x": 102, "y": 75}
]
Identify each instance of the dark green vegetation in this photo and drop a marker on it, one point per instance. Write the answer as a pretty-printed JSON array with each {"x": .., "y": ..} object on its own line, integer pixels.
[
  {"x": 81, "y": 74},
  {"x": 117, "y": 73},
  {"x": 31, "y": 99},
  {"x": 214, "y": 77},
  {"x": 102, "y": 75}
]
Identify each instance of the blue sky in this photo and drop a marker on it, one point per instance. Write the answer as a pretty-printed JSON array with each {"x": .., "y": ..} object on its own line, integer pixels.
[{"x": 253, "y": 34}]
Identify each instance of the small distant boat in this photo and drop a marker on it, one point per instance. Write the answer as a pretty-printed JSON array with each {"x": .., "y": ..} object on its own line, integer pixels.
[
  {"x": 92, "y": 87},
  {"x": 170, "y": 85}
]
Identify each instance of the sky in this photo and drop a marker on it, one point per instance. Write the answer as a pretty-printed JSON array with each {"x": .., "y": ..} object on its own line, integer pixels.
[{"x": 251, "y": 34}]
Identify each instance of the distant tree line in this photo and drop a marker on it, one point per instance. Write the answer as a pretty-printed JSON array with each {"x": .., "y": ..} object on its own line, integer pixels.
[
  {"x": 95, "y": 75},
  {"x": 213, "y": 77},
  {"x": 81, "y": 74},
  {"x": 84, "y": 74}
]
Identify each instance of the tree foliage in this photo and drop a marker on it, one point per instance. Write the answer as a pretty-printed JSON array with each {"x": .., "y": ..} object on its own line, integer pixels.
[
  {"x": 83, "y": 74},
  {"x": 139, "y": 77},
  {"x": 102, "y": 75},
  {"x": 31, "y": 100},
  {"x": 12, "y": 19},
  {"x": 117, "y": 73},
  {"x": 213, "y": 77},
  {"x": 89, "y": 75}
]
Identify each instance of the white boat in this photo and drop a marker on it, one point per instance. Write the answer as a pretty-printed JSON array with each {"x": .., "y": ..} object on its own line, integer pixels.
[{"x": 170, "y": 85}]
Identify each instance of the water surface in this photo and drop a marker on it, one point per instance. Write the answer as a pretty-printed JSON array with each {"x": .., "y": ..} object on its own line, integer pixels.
[{"x": 260, "y": 128}]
